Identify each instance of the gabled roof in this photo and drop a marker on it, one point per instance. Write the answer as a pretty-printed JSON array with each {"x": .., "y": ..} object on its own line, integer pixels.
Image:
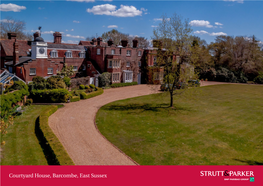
[
  {"x": 21, "y": 61},
  {"x": 86, "y": 43},
  {"x": 8, "y": 46}
]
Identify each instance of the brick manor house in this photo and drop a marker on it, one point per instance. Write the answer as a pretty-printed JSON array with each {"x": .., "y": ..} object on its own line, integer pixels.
[{"x": 27, "y": 59}]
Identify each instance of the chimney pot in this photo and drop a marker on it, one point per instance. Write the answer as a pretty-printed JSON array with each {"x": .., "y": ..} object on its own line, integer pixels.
[
  {"x": 135, "y": 43},
  {"x": 57, "y": 37},
  {"x": 124, "y": 43},
  {"x": 110, "y": 42},
  {"x": 11, "y": 35}
]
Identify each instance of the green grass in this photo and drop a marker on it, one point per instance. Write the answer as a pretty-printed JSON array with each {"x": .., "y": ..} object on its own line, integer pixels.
[
  {"x": 213, "y": 125},
  {"x": 22, "y": 146}
]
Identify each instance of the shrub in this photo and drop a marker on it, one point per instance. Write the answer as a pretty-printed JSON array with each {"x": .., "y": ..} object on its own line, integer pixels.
[
  {"x": 17, "y": 85},
  {"x": 81, "y": 87},
  {"x": 74, "y": 98},
  {"x": 29, "y": 101},
  {"x": 55, "y": 82},
  {"x": 89, "y": 90},
  {"x": 83, "y": 95},
  {"x": 10, "y": 99},
  {"x": 104, "y": 79},
  {"x": 96, "y": 93},
  {"x": 115, "y": 85},
  {"x": 87, "y": 87},
  {"x": 67, "y": 81},
  {"x": 92, "y": 86},
  {"x": 50, "y": 96},
  {"x": 61, "y": 155},
  {"x": 259, "y": 79},
  {"x": 39, "y": 83}
]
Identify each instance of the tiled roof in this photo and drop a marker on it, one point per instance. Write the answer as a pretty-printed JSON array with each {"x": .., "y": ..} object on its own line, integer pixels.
[
  {"x": 66, "y": 47},
  {"x": 86, "y": 43},
  {"x": 8, "y": 46},
  {"x": 21, "y": 60}
]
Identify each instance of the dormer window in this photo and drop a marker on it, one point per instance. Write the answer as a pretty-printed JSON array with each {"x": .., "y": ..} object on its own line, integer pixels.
[
  {"x": 82, "y": 54},
  {"x": 53, "y": 53},
  {"x": 68, "y": 54},
  {"x": 98, "y": 51},
  {"x": 128, "y": 53}
]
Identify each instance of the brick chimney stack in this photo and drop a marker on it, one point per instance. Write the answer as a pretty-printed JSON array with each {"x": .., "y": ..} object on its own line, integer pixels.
[
  {"x": 57, "y": 37},
  {"x": 135, "y": 43},
  {"x": 124, "y": 43},
  {"x": 157, "y": 44},
  {"x": 110, "y": 42},
  {"x": 11, "y": 35},
  {"x": 94, "y": 41},
  {"x": 15, "y": 53},
  {"x": 99, "y": 41},
  {"x": 36, "y": 34}
]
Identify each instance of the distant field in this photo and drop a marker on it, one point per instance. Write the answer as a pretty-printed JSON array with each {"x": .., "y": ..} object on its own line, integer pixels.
[
  {"x": 22, "y": 146},
  {"x": 213, "y": 125}
]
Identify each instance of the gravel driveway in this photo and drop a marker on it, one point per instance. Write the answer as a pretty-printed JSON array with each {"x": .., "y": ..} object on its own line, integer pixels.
[{"x": 74, "y": 126}]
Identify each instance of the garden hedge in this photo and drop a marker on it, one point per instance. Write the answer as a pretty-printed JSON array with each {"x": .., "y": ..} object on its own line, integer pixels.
[
  {"x": 115, "y": 85},
  {"x": 83, "y": 95},
  {"x": 74, "y": 98},
  {"x": 60, "y": 153},
  {"x": 50, "y": 96}
]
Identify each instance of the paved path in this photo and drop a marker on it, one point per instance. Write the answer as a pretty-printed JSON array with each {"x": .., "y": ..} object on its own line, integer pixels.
[{"x": 74, "y": 126}]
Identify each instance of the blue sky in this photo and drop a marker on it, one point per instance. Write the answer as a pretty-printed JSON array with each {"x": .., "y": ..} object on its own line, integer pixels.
[{"x": 78, "y": 19}]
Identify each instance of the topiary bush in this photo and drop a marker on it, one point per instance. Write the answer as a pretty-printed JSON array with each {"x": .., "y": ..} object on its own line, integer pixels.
[
  {"x": 92, "y": 86},
  {"x": 81, "y": 87},
  {"x": 83, "y": 95},
  {"x": 74, "y": 98},
  {"x": 55, "y": 82},
  {"x": 87, "y": 86}
]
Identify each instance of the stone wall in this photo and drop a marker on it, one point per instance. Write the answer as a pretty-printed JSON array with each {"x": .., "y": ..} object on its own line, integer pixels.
[{"x": 79, "y": 81}]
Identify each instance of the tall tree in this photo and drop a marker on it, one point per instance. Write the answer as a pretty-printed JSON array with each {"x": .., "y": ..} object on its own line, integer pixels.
[
  {"x": 174, "y": 34},
  {"x": 9, "y": 24}
]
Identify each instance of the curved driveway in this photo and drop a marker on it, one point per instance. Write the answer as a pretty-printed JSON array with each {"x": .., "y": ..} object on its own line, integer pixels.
[{"x": 74, "y": 126}]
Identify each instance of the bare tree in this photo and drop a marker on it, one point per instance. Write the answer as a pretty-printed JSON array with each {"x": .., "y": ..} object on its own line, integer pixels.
[
  {"x": 9, "y": 24},
  {"x": 174, "y": 35}
]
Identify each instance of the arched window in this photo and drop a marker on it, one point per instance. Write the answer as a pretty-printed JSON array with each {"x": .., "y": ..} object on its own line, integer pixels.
[
  {"x": 68, "y": 54},
  {"x": 53, "y": 53}
]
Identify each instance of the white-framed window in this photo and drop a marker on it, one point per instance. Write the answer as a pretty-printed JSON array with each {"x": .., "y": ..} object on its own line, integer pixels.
[
  {"x": 128, "y": 53},
  {"x": 139, "y": 63},
  {"x": 114, "y": 64},
  {"x": 128, "y": 64},
  {"x": 115, "y": 77},
  {"x": 128, "y": 75},
  {"x": 155, "y": 60},
  {"x": 82, "y": 54},
  {"x": 32, "y": 71},
  {"x": 139, "y": 53},
  {"x": 75, "y": 68},
  {"x": 98, "y": 51},
  {"x": 68, "y": 54},
  {"x": 112, "y": 51},
  {"x": 53, "y": 53},
  {"x": 50, "y": 71}
]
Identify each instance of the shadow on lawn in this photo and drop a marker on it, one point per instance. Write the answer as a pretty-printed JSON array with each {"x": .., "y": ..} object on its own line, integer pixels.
[
  {"x": 249, "y": 162},
  {"x": 145, "y": 107},
  {"x": 47, "y": 150}
]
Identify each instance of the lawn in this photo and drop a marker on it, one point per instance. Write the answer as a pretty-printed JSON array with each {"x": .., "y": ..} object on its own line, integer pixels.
[
  {"x": 213, "y": 125},
  {"x": 22, "y": 146}
]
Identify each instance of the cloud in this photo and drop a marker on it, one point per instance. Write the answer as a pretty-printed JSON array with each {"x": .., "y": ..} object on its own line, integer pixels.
[
  {"x": 72, "y": 29},
  {"x": 161, "y": 19},
  {"x": 211, "y": 34},
  {"x": 40, "y": 8},
  {"x": 76, "y": 21},
  {"x": 66, "y": 30},
  {"x": 201, "y": 23},
  {"x": 238, "y": 1},
  {"x": 76, "y": 37},
  {"x": 87, "y": 1},
  {"x": 112, "y": 26},
  {"x": 11, "y": 7},
  {"x": 108, "y": 9},
  {"x": 217, "y": 23},
  {"x": 154, "y": 26},
  {"x": 7, "y": 21}
]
